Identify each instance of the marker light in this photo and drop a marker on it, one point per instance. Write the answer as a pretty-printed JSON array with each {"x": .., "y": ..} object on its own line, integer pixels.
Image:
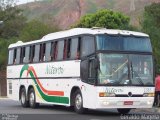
[
  {"x": 104, "y": 94},
  {"x": 148, "y": 95}
]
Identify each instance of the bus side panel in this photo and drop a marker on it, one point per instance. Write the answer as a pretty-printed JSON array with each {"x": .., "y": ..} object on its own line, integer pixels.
[{"x": 89, "y": 96}]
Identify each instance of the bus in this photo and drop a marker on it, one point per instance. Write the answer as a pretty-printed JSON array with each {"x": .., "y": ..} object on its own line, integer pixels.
[{"x": 86, "y": 68}]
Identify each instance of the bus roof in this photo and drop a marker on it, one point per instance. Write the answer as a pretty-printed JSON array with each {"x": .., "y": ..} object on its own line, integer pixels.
[{"x": 80, "y": 31}]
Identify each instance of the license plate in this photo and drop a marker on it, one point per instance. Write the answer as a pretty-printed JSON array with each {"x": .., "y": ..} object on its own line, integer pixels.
[{"x": 128, "y": 102}]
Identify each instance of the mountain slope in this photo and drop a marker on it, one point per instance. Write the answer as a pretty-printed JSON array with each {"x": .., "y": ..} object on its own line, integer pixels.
[{"x": 66, "y": 12}]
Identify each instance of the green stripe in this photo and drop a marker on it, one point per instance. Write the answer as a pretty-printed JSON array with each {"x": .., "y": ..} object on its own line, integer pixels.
[{"x": 56, "y": 99}]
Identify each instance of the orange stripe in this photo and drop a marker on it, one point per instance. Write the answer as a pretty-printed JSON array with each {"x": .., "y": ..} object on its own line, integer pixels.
[{"x": 48, "y": 92}]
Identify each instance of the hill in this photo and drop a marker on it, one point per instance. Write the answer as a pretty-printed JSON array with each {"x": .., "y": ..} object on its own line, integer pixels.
[{"x": 66, "y": 12}]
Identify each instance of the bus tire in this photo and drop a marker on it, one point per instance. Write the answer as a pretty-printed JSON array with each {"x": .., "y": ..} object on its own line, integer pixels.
[
  {"x": 23, "y": 97},
  {"x": 123, "y": 110},
  {"x": 32, "y": 99},
  {"x": 78, "y": 102}
]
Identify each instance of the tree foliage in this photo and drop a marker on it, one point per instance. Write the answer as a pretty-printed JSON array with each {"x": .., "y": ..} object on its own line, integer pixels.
[
  {"x": 151, "y": 25},
  {"x": 104, "y": 18},
  {"x": 35, "y": 30},
  {"x": 15, "y": 27},
  {"x": 13, "y": 22}
]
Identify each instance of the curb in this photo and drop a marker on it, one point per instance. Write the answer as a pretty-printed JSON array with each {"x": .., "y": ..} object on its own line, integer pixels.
[{"x": 3, "y": 97}]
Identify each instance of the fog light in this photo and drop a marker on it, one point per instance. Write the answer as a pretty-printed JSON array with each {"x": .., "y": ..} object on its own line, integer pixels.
[
  {"x": 149, "y": 102},
  {"x": 105, "y": 103}
]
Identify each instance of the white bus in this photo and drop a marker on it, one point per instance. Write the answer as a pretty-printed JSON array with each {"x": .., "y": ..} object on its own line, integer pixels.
[{"x": 94, "y": 68}]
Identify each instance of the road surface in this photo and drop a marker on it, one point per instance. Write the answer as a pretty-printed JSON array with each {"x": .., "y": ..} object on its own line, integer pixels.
[{"x": 12, "y": 110}]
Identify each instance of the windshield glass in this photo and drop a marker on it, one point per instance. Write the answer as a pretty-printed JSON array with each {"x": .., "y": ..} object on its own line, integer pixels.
[
  {"x": 123, "y": 43},
  {"x": 125, "y": 69}
]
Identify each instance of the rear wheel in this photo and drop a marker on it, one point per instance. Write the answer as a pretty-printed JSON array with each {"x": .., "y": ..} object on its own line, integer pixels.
[
  {"x": 123, "y": 110},
  {"x": 32, "y": 99},
  {"x": 78, "y": 102},
  {"x": 23, "y": 97}
]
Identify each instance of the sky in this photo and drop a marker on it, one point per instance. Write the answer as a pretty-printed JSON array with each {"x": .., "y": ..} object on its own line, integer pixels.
[{"x": 24, "y": 1}]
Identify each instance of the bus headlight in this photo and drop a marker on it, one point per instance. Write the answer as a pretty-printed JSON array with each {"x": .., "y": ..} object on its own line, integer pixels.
[
  {"x": 104, "y": 94},
  {"x": 148, "y": 95}
]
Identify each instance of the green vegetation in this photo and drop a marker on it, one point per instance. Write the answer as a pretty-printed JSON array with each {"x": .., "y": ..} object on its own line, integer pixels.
[
  {"x": 15, "y": 27},
  {"x": 35, "y": 30},
  {"x": 104, "y": 18},
  {"x": 151, "y": 25}
]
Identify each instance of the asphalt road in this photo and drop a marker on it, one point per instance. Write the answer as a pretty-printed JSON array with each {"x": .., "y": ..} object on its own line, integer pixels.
[{"x": 12, "y": 110}]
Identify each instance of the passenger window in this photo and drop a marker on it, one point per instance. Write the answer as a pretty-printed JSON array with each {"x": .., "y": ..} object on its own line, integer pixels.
[
  {"x": 60, "y": 50},
  {"x": 67, "y": 52},
  {"x": 18, "y": 55},
  {"x": 14, "y": 56},
  {"x": 42, "y": 52},
  {"x": 88, "y": 46},
  {"x": 31, "y": 53},
  {"x": 74, "y": 48},
  {"x": 52, "y": 51},
  {"x": 10, "y": 57},
  {"x": 48, "y": 52},
  {"x": 37, "y": 51},
  {"x": 22, "y": 55},
  {"x": 27, "y": 52},
  {"x": 55, "y": 50}
]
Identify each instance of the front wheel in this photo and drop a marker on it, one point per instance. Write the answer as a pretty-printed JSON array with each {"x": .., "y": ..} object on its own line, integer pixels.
[
  {"x": 78, "y": 102},
  {"x": 123, "y": 110},
  {"x": 32, "y": 99}
]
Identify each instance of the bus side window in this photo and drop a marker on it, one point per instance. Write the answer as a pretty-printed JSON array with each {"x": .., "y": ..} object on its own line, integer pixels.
[
  {"x": 65, "y": 49},
  {"x": 74, "y": 48},
  {"x": 87, "y": 46},
  {"x": 10, "y": 57},
  {"x": 18, "y": 55},
  {"x": 14, "y": 56},
  {"x": 52, "y": 51},
  {"x": 31, "y": 53},
  {"x": 22, "y": 58},
  {"x": 55, "y": 50},
  {"x": 67, "y": 52},
  {"x": 37, "y": 52},
  {"x": 48, "y": 52},
  {"x": 42, "y": 52},
  {"x": 60, "y": 50},
  {"x": 27, "y": 52}
]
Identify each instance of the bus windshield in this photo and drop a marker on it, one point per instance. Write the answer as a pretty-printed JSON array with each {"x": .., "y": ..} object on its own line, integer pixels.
[
  {"x": 123, "y": 43},
  {"x": 125, "y": 69}
]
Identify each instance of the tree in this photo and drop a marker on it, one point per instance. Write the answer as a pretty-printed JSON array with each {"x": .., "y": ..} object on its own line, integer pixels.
[
  {"x": 34, "y": 30},
  {"x": 151, "y": 26},
  {"x": 12, "y": 18},
  {"x": 104, "y": 18}
]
